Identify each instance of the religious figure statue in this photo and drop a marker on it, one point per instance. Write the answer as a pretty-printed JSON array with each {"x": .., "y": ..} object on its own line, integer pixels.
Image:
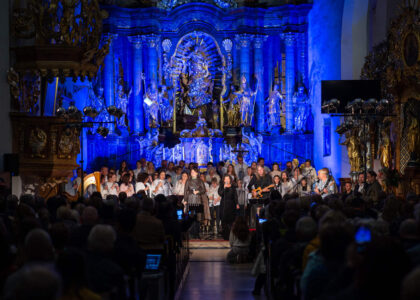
[
  {"x": 232, "y": 108},
  {"x": 246, "y": 99},
  {"x": 166, "y": 107},
  {"x": 196, "y": 79},
  {"x": 385, "y": 149},
  {"x": 274, "y": 104},
  {"x": 152, "y": 102},
  {"x": 302, "y": 111},
  {"x": 413, "y": 137},
  {"x": 354, "y": 152},
  {"x": 123, "y": 98}
]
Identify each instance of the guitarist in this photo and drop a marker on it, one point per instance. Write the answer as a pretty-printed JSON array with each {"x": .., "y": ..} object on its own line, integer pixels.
[
  {"x": 260, "y": 180},
  {"x": 325, "y": 185}
]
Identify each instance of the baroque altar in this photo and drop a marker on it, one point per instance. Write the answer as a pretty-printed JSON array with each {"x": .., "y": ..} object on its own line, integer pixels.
[{"x": 175, "y": 68}]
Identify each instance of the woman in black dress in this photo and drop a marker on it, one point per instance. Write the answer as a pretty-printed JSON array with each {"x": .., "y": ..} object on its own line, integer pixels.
[{"x": 228, "y": 205}]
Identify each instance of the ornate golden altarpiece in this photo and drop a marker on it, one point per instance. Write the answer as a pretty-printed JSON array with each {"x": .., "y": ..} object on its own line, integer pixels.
[{"x": 396, "y": 63}]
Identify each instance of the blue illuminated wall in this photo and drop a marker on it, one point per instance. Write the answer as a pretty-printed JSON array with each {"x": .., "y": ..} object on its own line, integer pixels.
[
  {"x": 324, "y": 41},
  {"x": 272, "y": 40}
]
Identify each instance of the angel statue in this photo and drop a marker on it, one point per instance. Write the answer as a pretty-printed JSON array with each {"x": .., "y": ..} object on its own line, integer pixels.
[
  {"x": 274, "y": 104},
  {"x": 246, "y": 99},
  {"x": 166, "y": 108},
  {"x": 413, "y": 138},
  {"x": 302, "y": 109},
  {"x": 152, "y": 102}
]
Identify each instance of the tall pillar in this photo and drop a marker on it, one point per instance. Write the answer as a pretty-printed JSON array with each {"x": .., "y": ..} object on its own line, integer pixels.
[
  {"x": 303, "y": 58},
  {"x": 244, "y": 42},
  {"x": 259, "y": 70},
  {"x": 152, "y": 42},
  {"x": 138, "y": 114},
  {"x": 109, "y": 71},
  {"x": 289, "y": 40}
]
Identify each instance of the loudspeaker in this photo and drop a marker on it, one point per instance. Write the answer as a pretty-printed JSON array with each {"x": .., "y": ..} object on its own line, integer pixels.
[{"x": 11, "y": 163}]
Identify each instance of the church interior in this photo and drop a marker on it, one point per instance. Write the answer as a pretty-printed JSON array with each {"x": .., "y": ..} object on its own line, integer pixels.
[{"x": 325, "y": 92}]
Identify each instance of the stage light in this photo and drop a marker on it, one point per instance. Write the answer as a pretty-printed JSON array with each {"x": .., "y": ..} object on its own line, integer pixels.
[
  {"x": 90, "y": 112},
  {"x": 103, "y": 131},
  {"x": 60, "y": 112},
  {"x": 355, "y": 104},
  {"x": 369, "y": 104},
  {"x": 383, "y": 104},
  {"x": 332, "y": 104}
]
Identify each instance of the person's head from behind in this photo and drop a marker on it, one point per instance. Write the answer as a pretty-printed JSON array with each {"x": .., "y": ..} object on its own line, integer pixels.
[
  {"x": 335, "y": 239},
  {"x": 38, "y": 282},
  {"x": 240, "y": 229},
  {"x": 126, "y": 220},
  {"x": 142, "y": 177},
  {"x": 71, "y": 265},
  {"x": 38, "y": 246},
  {"x": 306, "y": 229},
  {"x": 89, "y": 216},
  {"x": 410, "y": 287},
  {"x": 147, "y": 205},
  {"x": 101, "y": 239}
]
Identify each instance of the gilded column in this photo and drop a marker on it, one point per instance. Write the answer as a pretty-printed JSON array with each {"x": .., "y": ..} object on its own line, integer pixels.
[
  {"x": 138, "y": 113},
  {"x": 289, "y": 40},
  {"x": 259, "y": 70}
]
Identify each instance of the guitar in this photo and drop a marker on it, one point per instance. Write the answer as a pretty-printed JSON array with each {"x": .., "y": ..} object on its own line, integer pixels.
[{"x": 260, "y": 190}]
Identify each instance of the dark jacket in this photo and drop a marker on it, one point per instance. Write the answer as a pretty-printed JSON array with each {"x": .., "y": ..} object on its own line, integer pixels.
[
  {"x": 149, "y": 231},
  {"x": 228, "y": 202},
  {"x": 372, "y": 191}
]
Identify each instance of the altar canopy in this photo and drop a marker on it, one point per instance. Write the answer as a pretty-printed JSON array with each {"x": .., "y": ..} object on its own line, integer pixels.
[{"x": 242, "y": 69}]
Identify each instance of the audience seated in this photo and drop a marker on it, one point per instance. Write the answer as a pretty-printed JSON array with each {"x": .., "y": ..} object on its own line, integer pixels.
[{"x": 149, "y": 231}]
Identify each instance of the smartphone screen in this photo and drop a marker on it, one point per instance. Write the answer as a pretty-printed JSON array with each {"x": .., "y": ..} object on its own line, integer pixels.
[
  {"x": 363, "y": 235},
  {"x": 261, "y": 220},
  {"x": 179, "y": 214}
]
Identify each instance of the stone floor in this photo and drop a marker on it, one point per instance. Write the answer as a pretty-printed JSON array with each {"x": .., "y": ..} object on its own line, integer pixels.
[{"x": 210, "y": 277}]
